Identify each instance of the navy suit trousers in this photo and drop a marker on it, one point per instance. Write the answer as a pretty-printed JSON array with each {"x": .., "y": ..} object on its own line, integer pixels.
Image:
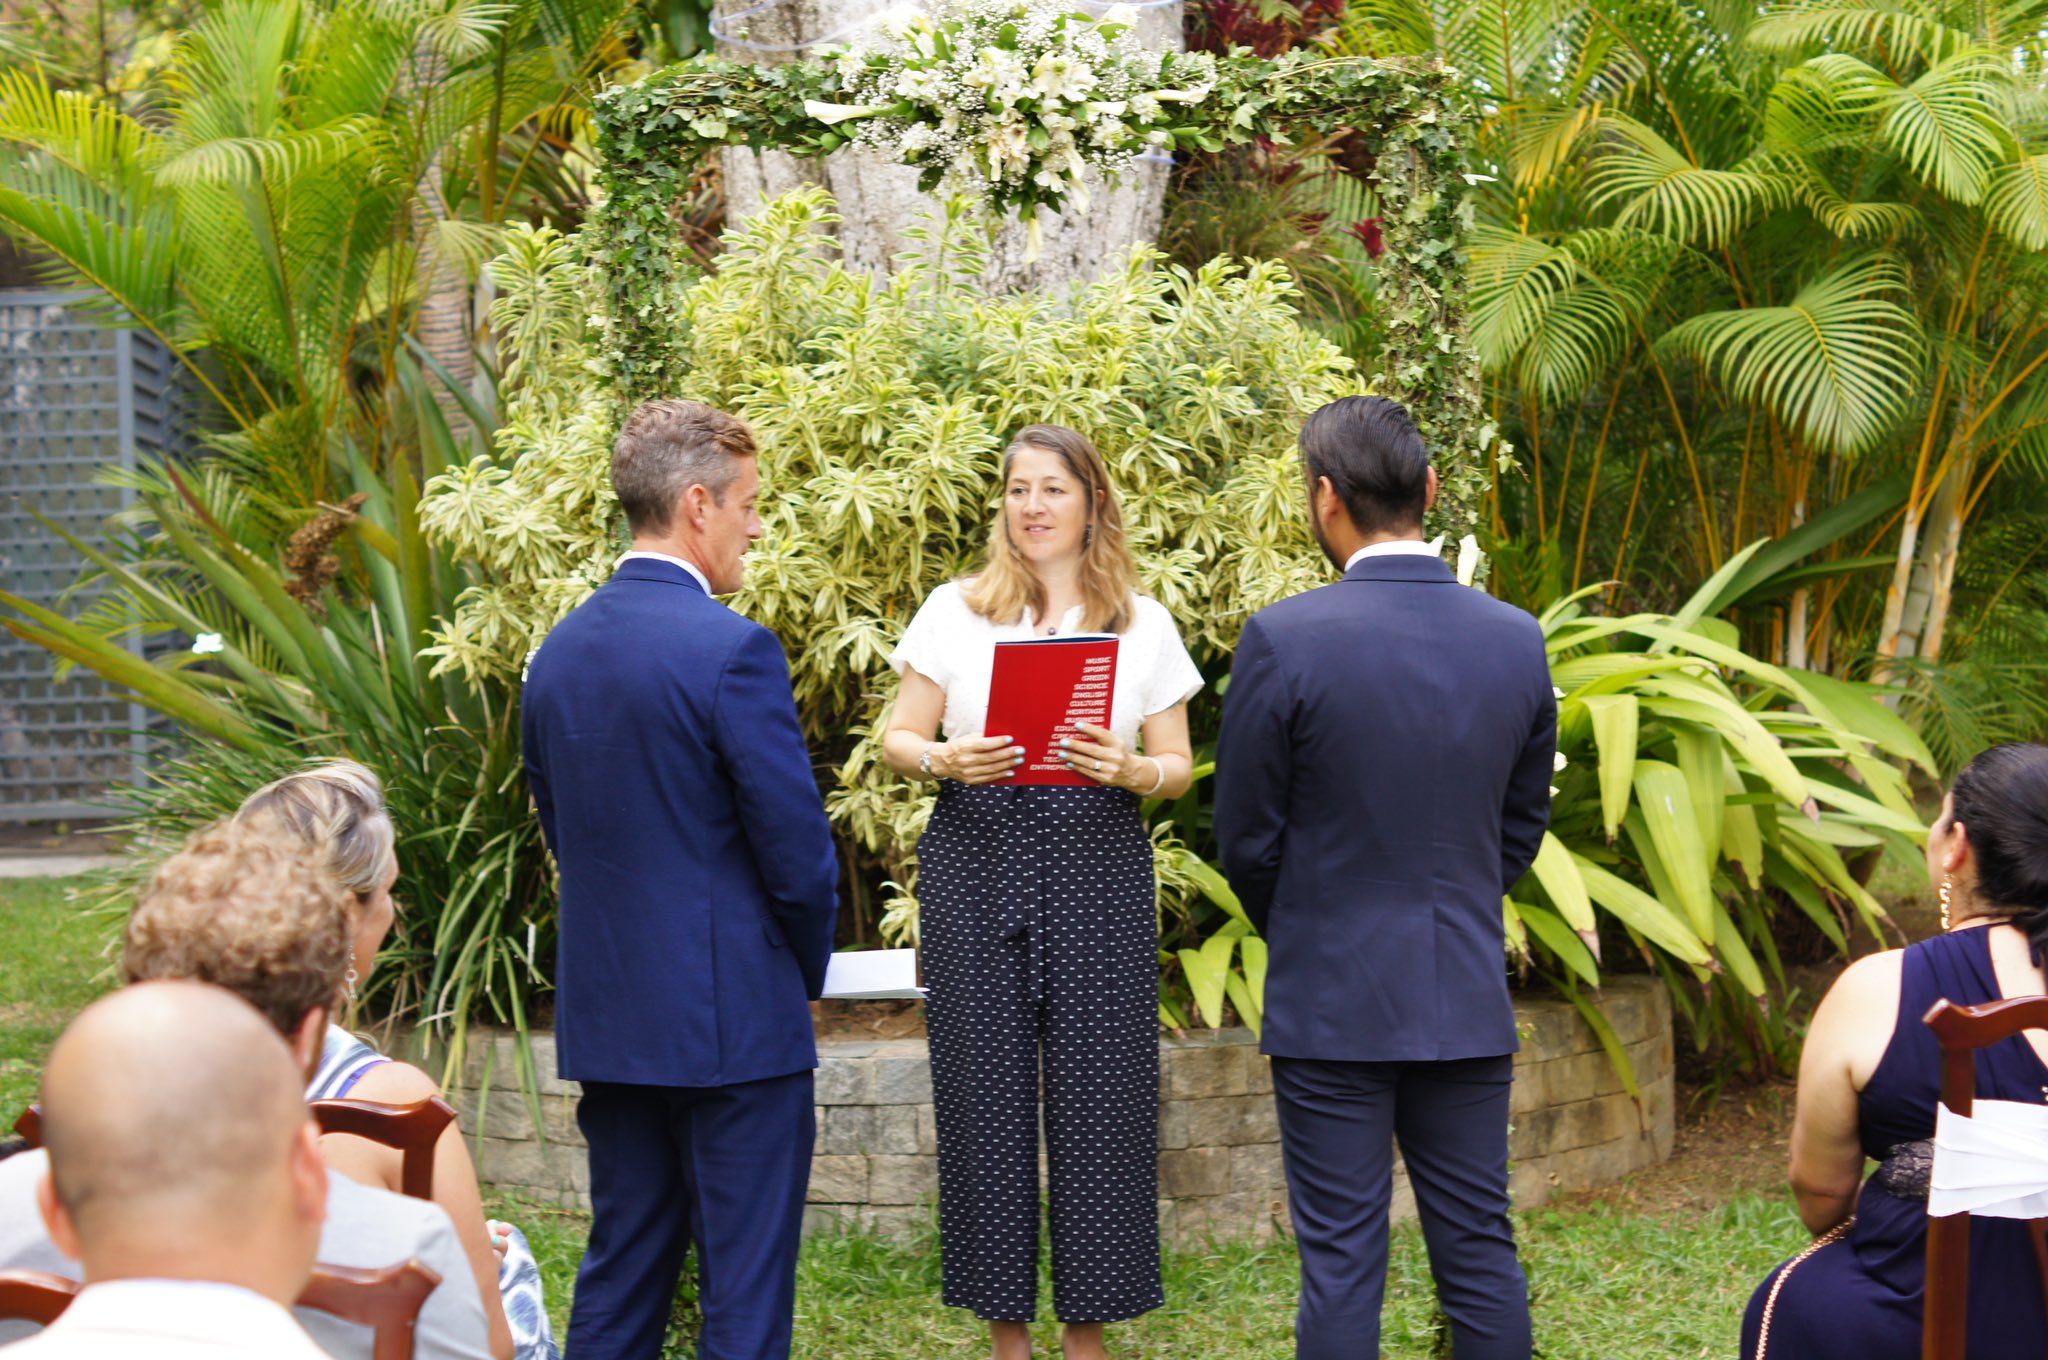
[
  {"x": 722, "y": 1167},
  {"x": 1338, "y": 1125}
]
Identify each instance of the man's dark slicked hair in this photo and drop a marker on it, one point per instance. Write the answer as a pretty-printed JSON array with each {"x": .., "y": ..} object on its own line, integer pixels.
[{"x": 1373, "y": 455}]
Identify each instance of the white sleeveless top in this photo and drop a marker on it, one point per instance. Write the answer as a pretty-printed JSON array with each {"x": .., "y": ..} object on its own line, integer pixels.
[{"x": 955, "y": 648}]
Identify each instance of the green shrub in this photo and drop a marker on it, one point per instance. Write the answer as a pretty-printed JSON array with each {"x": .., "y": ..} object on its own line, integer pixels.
[{"x": 882, "y": 409}]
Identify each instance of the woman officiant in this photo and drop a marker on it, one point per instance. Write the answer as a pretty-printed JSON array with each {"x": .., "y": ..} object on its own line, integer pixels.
[{"x": 1038, "y": 918}]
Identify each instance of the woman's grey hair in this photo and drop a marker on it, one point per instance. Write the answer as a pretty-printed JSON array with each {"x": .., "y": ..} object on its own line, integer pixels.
[{"x": 337, "y": 808}]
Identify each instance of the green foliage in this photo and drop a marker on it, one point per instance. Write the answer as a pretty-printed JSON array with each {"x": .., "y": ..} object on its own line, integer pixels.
[
  {"x": 318, "y": 172},
  {"x": 1406, "y": 117},
  {"x": 294, "y": 669},
  {"x": 1701, "y": 792},
  {"x": 881, "y": 411}
]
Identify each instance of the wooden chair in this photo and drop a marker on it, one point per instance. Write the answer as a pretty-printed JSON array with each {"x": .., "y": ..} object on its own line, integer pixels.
[
  {"x": 34, "y": 1296},
  {"x": 413, "y": 1130},
  {"x": 387, "y": 1301},
  {"x": 1962, "y": 1030}
]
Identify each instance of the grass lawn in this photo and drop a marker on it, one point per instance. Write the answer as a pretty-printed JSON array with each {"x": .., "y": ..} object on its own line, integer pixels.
[{"x": 1658, "y": 1269}]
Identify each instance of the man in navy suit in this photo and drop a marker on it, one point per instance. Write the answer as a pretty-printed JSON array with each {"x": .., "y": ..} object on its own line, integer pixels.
[
  {"x": 699, "y": 894},
  {"x": 1383, "y": 777}
]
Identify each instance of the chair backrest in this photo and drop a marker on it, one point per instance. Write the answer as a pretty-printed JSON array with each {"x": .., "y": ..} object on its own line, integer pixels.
[
  {"x": 1962, "y": 1030},
  {"x": 387, "y": 1301},
  {"x": 34, "y": 1296},
  {"x": 415, "y": 1130}
]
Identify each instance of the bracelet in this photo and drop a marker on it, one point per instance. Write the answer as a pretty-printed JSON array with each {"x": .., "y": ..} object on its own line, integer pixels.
[
  {"x": 924, "y": 762},
  {"x": 1158, "y": 783}
]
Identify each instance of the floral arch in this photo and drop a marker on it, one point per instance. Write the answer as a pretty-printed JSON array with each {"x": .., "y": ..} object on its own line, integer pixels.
[{"x": 1010, "y": 102}]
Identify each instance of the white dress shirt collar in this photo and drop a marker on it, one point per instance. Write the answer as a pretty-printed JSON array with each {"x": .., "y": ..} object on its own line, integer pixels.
[
  {"x": 1395, "y": 547},
  {"x": 240, "y": 1321},
  {"x": 690, "y": 567}
]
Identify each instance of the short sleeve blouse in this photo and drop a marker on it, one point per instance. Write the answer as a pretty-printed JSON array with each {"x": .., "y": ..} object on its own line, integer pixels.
[{"x": 955, "y": 648}]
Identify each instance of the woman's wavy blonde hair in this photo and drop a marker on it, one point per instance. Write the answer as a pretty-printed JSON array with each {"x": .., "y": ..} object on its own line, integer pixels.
[
  {"x": 1007, "y": 586},
  {"x": 337, "y": 808}
]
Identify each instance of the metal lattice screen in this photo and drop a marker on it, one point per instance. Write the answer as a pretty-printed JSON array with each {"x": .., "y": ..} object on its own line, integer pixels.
[{"x": 76, "y": 397}]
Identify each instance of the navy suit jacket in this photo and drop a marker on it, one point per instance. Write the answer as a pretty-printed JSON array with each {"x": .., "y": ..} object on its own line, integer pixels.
[
  {"x": 1382, "y": 778},
  {"x": 699, "y": 878}
]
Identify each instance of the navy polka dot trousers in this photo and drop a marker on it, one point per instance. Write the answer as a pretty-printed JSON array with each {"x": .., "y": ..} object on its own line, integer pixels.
[{"x": 1040, "y": 942}]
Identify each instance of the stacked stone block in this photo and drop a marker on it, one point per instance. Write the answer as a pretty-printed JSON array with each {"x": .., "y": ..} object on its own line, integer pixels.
[{"x": 875, "y": 1165}]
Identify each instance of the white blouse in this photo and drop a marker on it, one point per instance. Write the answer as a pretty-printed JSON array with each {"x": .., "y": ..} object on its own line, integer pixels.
[{"x": 955, "y": 648}]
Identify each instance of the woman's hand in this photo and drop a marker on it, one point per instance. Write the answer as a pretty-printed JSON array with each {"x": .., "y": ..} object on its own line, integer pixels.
[
  {"x": 1104, "y": 758},
  {"x": 976, "y": 760}
]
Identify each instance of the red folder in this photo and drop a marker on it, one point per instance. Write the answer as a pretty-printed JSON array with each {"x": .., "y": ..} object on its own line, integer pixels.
[{"x": 1041, "y": 688}]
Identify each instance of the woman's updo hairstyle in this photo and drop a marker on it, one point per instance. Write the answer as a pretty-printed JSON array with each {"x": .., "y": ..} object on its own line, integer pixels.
[
  {"x": 2001, "y": 798},
  {"x": 337, "y": 808}
]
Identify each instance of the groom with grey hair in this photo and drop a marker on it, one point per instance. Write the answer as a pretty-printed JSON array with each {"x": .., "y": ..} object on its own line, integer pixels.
[{"x": 1383, "y": 778}]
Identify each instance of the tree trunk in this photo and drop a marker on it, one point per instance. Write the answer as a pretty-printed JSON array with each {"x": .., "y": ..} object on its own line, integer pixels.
[
  {"x": 878, "y": 199},
  {"x": 1926, "y": 599}
]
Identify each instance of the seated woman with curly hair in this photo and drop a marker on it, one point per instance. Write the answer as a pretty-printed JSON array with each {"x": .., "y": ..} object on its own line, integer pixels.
[{"x": 337, "y": 808}]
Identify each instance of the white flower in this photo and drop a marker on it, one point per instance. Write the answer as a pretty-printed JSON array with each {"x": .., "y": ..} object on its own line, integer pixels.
[
  {"x": 838, "y": 113},
  {"x": 1009, "y": 147},
  {"x": 1193, "y": 96},
  {"x": 207, "y": 643},
  {"x": 917, "y": 137},
  {"x": 1558, "y": 762},
  {"x": 1158, "y": 137},
  {"x": 1059, "y": 76},
  {"x": 1125, "y": 15},
  {"x": 1556, "y": 693},
  {"x": 1469, "y": 558}
]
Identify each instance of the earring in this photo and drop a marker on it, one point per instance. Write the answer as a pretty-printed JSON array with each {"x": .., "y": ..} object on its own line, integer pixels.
[
  {"x": 349, "y": 983},
  {"x": 1946, "y": 893},
  {"x": 1087, "y": 535}
]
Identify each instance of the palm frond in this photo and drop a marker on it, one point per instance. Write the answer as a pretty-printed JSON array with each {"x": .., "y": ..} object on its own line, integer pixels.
[
  {"x": 2018, "y": 201},
  {"x": 1658, "y": 188},
  {"x": 1839, "y": 363},
  {"x": 1946, "y": 125}
]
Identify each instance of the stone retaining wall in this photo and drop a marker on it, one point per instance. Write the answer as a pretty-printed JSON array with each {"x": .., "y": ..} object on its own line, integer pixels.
[{"x": 875, "y": 1164}]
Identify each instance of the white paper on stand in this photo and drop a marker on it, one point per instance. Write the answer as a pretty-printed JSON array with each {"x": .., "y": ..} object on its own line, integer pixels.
[{"x": 873, "y": 975}]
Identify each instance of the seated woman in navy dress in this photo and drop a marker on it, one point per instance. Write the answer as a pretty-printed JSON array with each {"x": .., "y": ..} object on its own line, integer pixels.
[{"x": 1869, "y": 1082}]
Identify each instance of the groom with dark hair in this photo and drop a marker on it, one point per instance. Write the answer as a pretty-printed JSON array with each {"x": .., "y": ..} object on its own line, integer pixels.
[
  {"x": 1383, "y": 778},
  {"x": 699, "y": 893}
]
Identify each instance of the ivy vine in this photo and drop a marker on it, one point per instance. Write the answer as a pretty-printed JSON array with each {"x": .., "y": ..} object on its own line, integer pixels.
[{"x": 1406, "y": 120}]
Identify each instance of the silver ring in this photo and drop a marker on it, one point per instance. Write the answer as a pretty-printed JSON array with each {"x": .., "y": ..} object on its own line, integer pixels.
[{"x": 1098, "y": 767}]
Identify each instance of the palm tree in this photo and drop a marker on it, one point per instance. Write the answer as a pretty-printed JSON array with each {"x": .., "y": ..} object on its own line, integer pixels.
[
  {"x": 306, "y": 203},
  {"x": 1782, "y": 255}
]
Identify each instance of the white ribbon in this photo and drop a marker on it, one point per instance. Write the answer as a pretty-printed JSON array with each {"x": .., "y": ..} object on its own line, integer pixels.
[{"x": 1992, "y": 1162}]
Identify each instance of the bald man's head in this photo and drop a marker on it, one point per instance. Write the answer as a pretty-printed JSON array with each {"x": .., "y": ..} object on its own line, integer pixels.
[{"x": 173, "y": 1111}]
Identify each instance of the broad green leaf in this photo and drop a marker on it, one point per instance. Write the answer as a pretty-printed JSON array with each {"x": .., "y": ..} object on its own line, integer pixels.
[
  {"x": 1558, "y": 938},
  {"x": 1703, "y": 761},
  {"x": 1742, "y": 841},
  {"x": 1559, "y": 874},
  {"x": 1251, "y": 953},
  {"x": 1216, "y": 888},
  {"x": 1248, "y": 1008},
  {"x": 1643, "y": 913},
  {"x": 1610, "y": 1042},
  {"x": 1663, "y": 799},
  {"x": 1734, "y": 952},
  {"x": 1859, "y": 707},
  {"x": 1614, "y": 734}
]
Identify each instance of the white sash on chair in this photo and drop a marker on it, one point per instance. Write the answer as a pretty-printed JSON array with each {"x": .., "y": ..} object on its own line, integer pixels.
[{"x": 1992, "y": 1162}]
